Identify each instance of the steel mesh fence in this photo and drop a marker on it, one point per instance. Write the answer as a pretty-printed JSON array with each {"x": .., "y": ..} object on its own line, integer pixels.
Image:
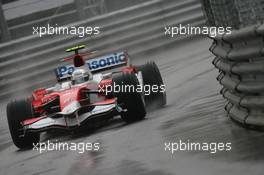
[{"x": 233, "y": 13}]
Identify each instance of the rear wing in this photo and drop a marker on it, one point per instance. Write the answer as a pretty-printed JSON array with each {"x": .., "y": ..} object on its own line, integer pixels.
[{"x": 97, "y": 64}]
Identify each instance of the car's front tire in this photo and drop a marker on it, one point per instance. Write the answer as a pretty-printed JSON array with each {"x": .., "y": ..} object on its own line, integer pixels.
[
  {"x": 152, "y": 77},
  {"x": 18, "y": 111},
  {"x": 132, "y": 101}
]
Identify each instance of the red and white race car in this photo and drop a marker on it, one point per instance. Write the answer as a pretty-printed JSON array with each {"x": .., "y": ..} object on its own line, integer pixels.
[{"x": 86, "y": 92}]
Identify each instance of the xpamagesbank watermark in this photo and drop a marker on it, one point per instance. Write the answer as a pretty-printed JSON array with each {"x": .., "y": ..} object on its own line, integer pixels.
[
  {"x": 174, "y": 31},
  {"x": 80, "y": 31},
  {"x": 79, "y": 147},
  {"x": 126, "y": 88},
  {"x": 212, "y": 147}
]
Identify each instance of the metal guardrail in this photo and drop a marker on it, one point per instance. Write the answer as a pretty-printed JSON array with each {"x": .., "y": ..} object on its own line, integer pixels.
[
  {"x": 28, "y": 63},
  {"x": 239, "y": 58},
  {"x": 4, "y": 32},
  {"x": 61, "y": 14}
]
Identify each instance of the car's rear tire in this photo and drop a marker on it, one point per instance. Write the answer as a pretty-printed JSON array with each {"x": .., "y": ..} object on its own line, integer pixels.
[
  {"x": 18, "y": 111},
  {"x": 132, "y": 101},
  {"x": 151, "y": 76}
]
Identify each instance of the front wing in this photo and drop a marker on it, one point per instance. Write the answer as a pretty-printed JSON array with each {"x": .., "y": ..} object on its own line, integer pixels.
[{"x": 70, "y": 121}]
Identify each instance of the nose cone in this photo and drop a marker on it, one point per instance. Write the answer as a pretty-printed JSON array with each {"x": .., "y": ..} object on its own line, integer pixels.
[
  {"x": 68, "y": 96},
  {"x": 71, "y": 107}
]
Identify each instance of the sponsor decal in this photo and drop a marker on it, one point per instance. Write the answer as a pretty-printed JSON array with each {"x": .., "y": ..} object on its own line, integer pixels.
[{"x": 95, "y": 64}]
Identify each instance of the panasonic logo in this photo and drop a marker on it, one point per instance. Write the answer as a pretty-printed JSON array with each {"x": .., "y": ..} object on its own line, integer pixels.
[
  {"x": 96, "y": 63},
  {"x": 103, "y": 62}
]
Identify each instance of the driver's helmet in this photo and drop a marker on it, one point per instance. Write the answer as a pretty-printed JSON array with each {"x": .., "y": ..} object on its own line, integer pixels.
[{"x": 80, "y": 76}]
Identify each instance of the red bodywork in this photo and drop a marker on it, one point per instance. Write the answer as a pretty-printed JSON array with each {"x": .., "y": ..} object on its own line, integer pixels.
[{"x": 42, "y": 97}]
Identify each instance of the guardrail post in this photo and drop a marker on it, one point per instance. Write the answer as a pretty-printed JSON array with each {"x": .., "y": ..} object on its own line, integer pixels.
[
  {"x": 4, "y": 32},
  {"x": 80, "y": 4},
  {"x": 102, "y": 7}
]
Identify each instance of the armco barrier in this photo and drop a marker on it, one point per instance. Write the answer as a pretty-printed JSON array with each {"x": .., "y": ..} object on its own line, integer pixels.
[
  {"x": 62, "y": 15},
  {"x": 28, "y": 63},
  {"x": 239, "y": 57}
]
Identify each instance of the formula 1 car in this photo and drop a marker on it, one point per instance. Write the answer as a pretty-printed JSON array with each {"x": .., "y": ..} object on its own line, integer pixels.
[{"x": 84, "y": 93}]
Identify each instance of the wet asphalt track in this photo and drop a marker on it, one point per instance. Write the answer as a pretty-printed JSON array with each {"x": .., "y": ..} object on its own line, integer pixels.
[{"x": 195, "y": 111}]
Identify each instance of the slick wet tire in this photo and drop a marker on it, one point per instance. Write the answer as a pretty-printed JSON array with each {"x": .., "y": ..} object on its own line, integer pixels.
[
  {"x": 132, "y": 101},
  {"x": 18, "y": 111},
  {"x": 152, "y": 77}
]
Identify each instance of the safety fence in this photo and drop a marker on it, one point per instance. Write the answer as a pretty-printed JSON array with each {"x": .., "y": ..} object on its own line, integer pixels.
[
  {"x": 233, "y": 13},
  {"x": 239, "y": 58},
  {"x": 28, "y": 63}
]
